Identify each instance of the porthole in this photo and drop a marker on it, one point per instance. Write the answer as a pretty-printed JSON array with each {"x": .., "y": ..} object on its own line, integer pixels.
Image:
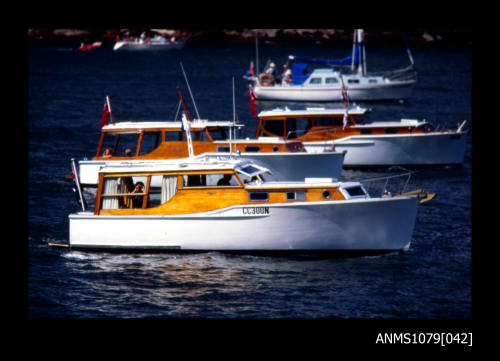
[
  {"x": 326, "y": 194},
  {"x": 276, "y": 148}
]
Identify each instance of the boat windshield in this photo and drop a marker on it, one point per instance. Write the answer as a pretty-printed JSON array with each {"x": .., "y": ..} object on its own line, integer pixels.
[{"x": 251, "y": 172}]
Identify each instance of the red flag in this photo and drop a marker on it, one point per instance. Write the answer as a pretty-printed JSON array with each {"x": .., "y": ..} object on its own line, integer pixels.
[
  {"x": 252, "y": 101},
  {"x": 252, "y": 72},
  {"x": 106, "y": 112}
]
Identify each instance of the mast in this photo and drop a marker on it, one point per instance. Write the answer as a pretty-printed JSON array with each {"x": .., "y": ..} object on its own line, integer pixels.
[
  {"x": 231, "y": 129},
  {"x": 360, "y": 43},
  {"x": 189, "y": 88},
  {"x": 353, "y": 55},
  {"x": 256, "y": 54}
]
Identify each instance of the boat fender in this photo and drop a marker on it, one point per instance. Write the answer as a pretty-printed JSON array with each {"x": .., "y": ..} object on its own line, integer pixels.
[{"x": 265, "y": 79}]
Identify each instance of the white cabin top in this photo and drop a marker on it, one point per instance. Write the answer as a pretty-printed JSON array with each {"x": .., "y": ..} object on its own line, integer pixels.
[
  {"x": 247, "y": 167},
  {"x": 402, "y": 123},
  {"x": 313, "y": 111},
  {"x": 195, "y": 124}
]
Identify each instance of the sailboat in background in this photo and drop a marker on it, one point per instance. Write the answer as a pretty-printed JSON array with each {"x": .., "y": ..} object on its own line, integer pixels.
[{"x": 300, "y": 82}]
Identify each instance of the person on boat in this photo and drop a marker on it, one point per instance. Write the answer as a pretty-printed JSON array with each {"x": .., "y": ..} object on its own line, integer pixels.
[
  {"x": 108, "y": 152},
  {"x": 225, "y": 180},
  {"x": 137, "y": 200},
  {"x": 269, "y": 76},
  {"x": 128, "y": 152},
  {"x": 286, "y": 76}
]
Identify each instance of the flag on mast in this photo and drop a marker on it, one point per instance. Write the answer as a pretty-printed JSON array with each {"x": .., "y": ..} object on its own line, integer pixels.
[
  {"x": 252, "y": 101},
  {"x": 106, "y": 112}
]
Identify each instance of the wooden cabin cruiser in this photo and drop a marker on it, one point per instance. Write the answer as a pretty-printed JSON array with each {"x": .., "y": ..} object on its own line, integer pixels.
[
  {"x": 213, "y": 205},
  {"x": 152, "y": 141},
  {"x": 405, "y": 142},
  {"x": 302, "y": 82}
]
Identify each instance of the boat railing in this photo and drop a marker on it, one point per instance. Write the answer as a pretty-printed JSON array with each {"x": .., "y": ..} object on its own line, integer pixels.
[
  {"x": 408, "y": 73},
  {"x": 451, "y": 126},
  {"x": 387, "y": 186}
]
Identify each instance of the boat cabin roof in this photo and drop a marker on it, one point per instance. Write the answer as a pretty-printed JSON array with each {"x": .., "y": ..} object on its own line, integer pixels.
[
  {"x": 385, "y": 124},
  {"x": 312, "y": 112},
  {"x": 140, "y": 125},
  {"x": 245, "y": 167}
]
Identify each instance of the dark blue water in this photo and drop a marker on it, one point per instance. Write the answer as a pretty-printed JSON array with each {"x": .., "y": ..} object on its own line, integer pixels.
[{"x": 66, "y": 95}]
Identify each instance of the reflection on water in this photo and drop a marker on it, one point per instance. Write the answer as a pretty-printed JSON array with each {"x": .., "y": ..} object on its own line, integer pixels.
[{"x": 215, "y": 285}]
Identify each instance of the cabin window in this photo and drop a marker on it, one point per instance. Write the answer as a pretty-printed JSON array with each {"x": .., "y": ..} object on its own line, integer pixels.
[
  {"x": 259, "y": 196},
  {"x": 391, "y": 130},
  {"x": 372, "y": 81},
  {"x": 118, "y": 143},
  {"x": 331, "y": 80},
  {"x": 252, "y": 148},
  {"x": 150, "y": 141},
  {"x": 222, "y": 149},
  {"x": 355, "y": 191},
  {"x": 123, "y": 192},
  {"x": 296, "y": 196},
  {"x": 353, "y": 81},
  {"x": 218, "y": 133},
  {"x": 161, "y": 189},
  {"x": 174, "y": 136},
  {"x": 199, "y": 135},
  {"x": 315, "y": 81},
  {"x": 275, "y": 127},
  {"x": 328, "y": 121},
  {"x": 366, "y": 131},
  {"x": 296, "y": 127},
  {"x": 209, "y": 180}
]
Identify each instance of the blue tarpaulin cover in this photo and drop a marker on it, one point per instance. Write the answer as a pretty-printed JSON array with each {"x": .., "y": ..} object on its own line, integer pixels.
[{"x": 298, "y": 76}]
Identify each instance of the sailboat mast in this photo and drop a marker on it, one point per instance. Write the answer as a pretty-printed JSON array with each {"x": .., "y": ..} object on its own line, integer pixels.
[
  {"x": 353, "y": 49},
  {"x": 362, "y": 36}
]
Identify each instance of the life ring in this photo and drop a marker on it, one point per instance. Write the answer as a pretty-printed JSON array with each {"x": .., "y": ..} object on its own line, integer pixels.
[{"x": 265, "y": 79}]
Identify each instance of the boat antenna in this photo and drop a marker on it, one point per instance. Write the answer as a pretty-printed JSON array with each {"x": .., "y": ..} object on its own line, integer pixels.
[
  {"x": 189, "y": 88},
  {"x": 232, "y": 129},
  {"x": 178, "y": 108},
  {"x": 186, "y": 124}
]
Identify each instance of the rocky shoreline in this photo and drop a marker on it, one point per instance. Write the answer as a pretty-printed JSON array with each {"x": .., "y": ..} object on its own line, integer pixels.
[{"x": 455, "y": 38}]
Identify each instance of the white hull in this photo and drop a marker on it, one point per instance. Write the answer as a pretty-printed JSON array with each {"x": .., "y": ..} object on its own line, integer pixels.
[
  {"x": 285, "y": 166},
  {"x": 385, "y": 91},
  {"x": 361, "y": 225},
  {"x": 392, "y": 149},
  {"x": 123, "y": 45}
]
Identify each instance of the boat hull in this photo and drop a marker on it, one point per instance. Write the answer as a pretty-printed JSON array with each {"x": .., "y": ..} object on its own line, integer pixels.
[
  {"x": 122, "y": 45},
  {"x": 352, "y": 225},
  {"x": 285, "y": 166},
  {"x": 392, "y": 149},
  {"x": 386, "y": 91}
]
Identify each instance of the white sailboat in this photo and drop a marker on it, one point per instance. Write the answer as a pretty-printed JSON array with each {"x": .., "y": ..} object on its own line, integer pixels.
[{"x": 325, "y": 84}]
